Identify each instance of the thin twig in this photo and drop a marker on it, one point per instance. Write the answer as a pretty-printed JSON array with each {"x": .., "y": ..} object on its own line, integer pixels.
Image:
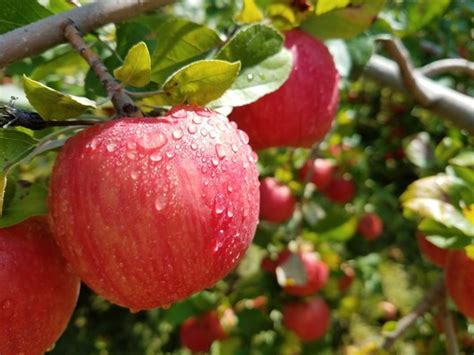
[
  {"x": 448, "y": 65},
  {"x": 144, "y": 93},
  {"x": 448, "y": 325},
  {"x": 399, "y": 53},
  {"x": 430, "y": 299},
  {"x": 120, "y": 99}
]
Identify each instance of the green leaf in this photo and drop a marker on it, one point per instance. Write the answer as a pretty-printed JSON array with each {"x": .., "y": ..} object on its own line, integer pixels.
[
  {"x": 250, "y": 13},
  {"x": 15, "y": 14},
  {"x": 323, "y": 6},
  {"x": 180, "y": 42},
  {"x": 446, "y": 149},
  {"x": 441, "y": 212},
  {"x": 197, "y": 83},
  {"x": 421, "y": 12},
  {"x": 69, "y": 63},
  {"x": 14, "y": 146},
  {"x": 450, "y": 242},
  {"x": 28, "y": 200},
  {"x": 251, "y": 45},
  {"x": 438, "y": 187},
  {"x": 445, "y": 237},
  {"x": 360, "y": 50},
  {"x": 136, "y": 69},
  {"x": 344, "y": 23},
  {"x": 419, "y": 150},
  {"x": 465, "y": 159},
  {"x": 257, "y": 81},
  {"x": 52, "y": 104},
  {"x": 341, "y": 55}
]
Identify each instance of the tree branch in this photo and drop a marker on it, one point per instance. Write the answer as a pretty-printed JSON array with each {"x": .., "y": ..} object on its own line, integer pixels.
[
  {"x": 448, "y": 325},
  {"x": 448, "y": 65},
  {"x": 430, "y": 299},
  {"x": 35, "y": 38},
  {"x": 450, "y": 104},
  {"x": 122, "y": 102},
  {"x": 399, "y": 53}
]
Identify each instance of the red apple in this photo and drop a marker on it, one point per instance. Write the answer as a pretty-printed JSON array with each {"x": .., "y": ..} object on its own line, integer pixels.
[
  {"x": 309, "y": 319},
  {"x": 38, "y": 292},
  {"x": 346, "y": 280},
  {"x": 340, "y": 190},
  {"x": 370, "y": 226},
  {"x": 317, "y": 273},
  {"x": 151, "y": 210},
  {"x": 277, "y": 204},
  {"x": 436, "y": 255},
  {"x": 198, "y": 333},
  {"x": 302, "y": 110},
  {"x": 388, "y": 310},
  {"x": 459, "y": 273},
  {"x": 323, "y": 171}
]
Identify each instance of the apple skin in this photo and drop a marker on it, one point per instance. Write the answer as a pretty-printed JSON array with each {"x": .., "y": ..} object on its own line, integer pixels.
[
  {"x": 370, "y": 226},
  {"x": 151, "y": 210},
  {"x": 302, "y": 110},
  {"x": 38, "y": 292},
  {"x": 346, "y": 280},
  {"x": 323, "y": 172},
  {"x": 277, "y": 204},
  {"x": 340, "y": 190},
  {"x": 309, "y": 319},
  {"x": 436, "y": 255},
  {"x": 198, "y": 333},
  {"x": 459, "y": 273}
]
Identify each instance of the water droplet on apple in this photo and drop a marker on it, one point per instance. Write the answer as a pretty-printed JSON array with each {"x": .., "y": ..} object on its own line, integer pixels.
[
  {"x": 206, "y": 182},
  {"x": 220, "y": 150},
  {"x": 233, "y": 124},
  {"x": 131, "y": 145},
  {"x": 235, "y": 148},
  {"x": 152, "y": 140},
  {"x": 212, "y": 134},
  {"x": 197, "y": 119},
  {"x": 192, "y": 128},
  {"x": 132, "y": 155},
  {"x": 204, "y": 132},
  {"x": 230, "y": 189},
  {"x": 194, "y": 146},
  {"x": 215, "y": 162},
  {"x": 203, "y": 112},
  {"x": 243, "y": 136},
  {"x": 134, "y": 175},
  {"x": 219, "y": 204},
  {"x": 178, "y": 134},
  {"x": 179, "y": 114},
  {"x": 111, "y": 147},
  {"x": 170, "y": 154},
  {"x": 156, "y": 157},
  {"x": 161, "y": 201}
]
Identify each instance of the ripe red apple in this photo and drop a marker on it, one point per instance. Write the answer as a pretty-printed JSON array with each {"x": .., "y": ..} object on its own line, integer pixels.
[
  {"x": 323, "y": 171},
  {"x": 151, "y": 210},
  {"x": 370, "y": 226},
  {"x": 38, "y": 292},
  {"x": 198, "y": 333},
  {"x": 388, "y": 310},
  {"x": 309, "y": 319},
  {"x": 436, "y": 255},
  {"x": 340, "y": 190},
  {"x": 317, "y": 273},
  {"x": 459, "y": 273},
  {"x": 277, "y": 204},
  {"x": 302, "y": 110},
  {"x": 346, "y": 280}
]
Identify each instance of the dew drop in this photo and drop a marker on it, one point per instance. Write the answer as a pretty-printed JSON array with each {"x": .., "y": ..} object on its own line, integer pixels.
[
  {"x": 212, "y": 134},
  {"x": 254, "y": 156},
  {"x": 111, "y": 147},
  {"x": 204, "y": 170},
  {"x": 156, "y": 157},
  {"x": 250, "y": 77},
  {"x": 160, "y": 202},
  {"x": 221, "y": 126},
  {"x": 93, "y": 144},
  {"x": 262, "y": 76},
  {"x": 206, "y": 182},
  {"x": 235, "y": 148},
  {"x": 204, "y": 132},
  {"x": 243, "y": 136},
  {"x": 134, "y": 175},
  {"x": 204, "y": 112},
  {"x": 168, "y": 167},
  {"x": 220, "y": 150},
  {"x": 233, "y": 124},
  {"x": 230, "y": 189},
  {"x": 131, "y": 145},
  {"x": 192, "y": 128},
  {"x": 170, "y": 154},
  {"x": 132, "y": 155},
  {"x": 215, "y": 162},
  {"x": 178, "y": 134},
  {"x": 230, "y": 213},
  {"x": 197, "y": 119},
  {"x": 152, "y": 140},
  {"x": 179, "y": 114},
  {"x": 219, "y": 204}
]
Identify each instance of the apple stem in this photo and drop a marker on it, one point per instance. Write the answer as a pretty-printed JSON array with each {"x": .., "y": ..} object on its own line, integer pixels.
[
  {"x": 120, "y": 99},
  {"x": 432, "y": 297}
]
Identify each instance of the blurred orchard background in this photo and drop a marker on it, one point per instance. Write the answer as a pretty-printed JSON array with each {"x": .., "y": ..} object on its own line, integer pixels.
[{"x": 395, "y": 171}]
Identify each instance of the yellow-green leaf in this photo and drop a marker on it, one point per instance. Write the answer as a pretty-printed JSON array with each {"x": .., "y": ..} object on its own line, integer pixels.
[
  {"x": 52, "y": 104},
  {"x": 250, "y": 13},
  {"x": 324, "y": 6},
  {"x": 197, "y": 83},
  {"x": 136, "y": 69},
  {"x": 3, "y": 184}
]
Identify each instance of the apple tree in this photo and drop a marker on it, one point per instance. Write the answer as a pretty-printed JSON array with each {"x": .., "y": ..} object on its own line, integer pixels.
[{"x": 236, "y": 177}]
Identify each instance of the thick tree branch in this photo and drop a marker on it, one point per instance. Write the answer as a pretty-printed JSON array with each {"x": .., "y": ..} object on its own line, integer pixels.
[
  {"x": 399, "y": 53},
  {"x": 449, "y": 104},
  {"x": 431, "y": 298},
  {"x": 37, "y": 37},
  {"x": 447, "y": 66},
  {"x": 122, "y": 102}
]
